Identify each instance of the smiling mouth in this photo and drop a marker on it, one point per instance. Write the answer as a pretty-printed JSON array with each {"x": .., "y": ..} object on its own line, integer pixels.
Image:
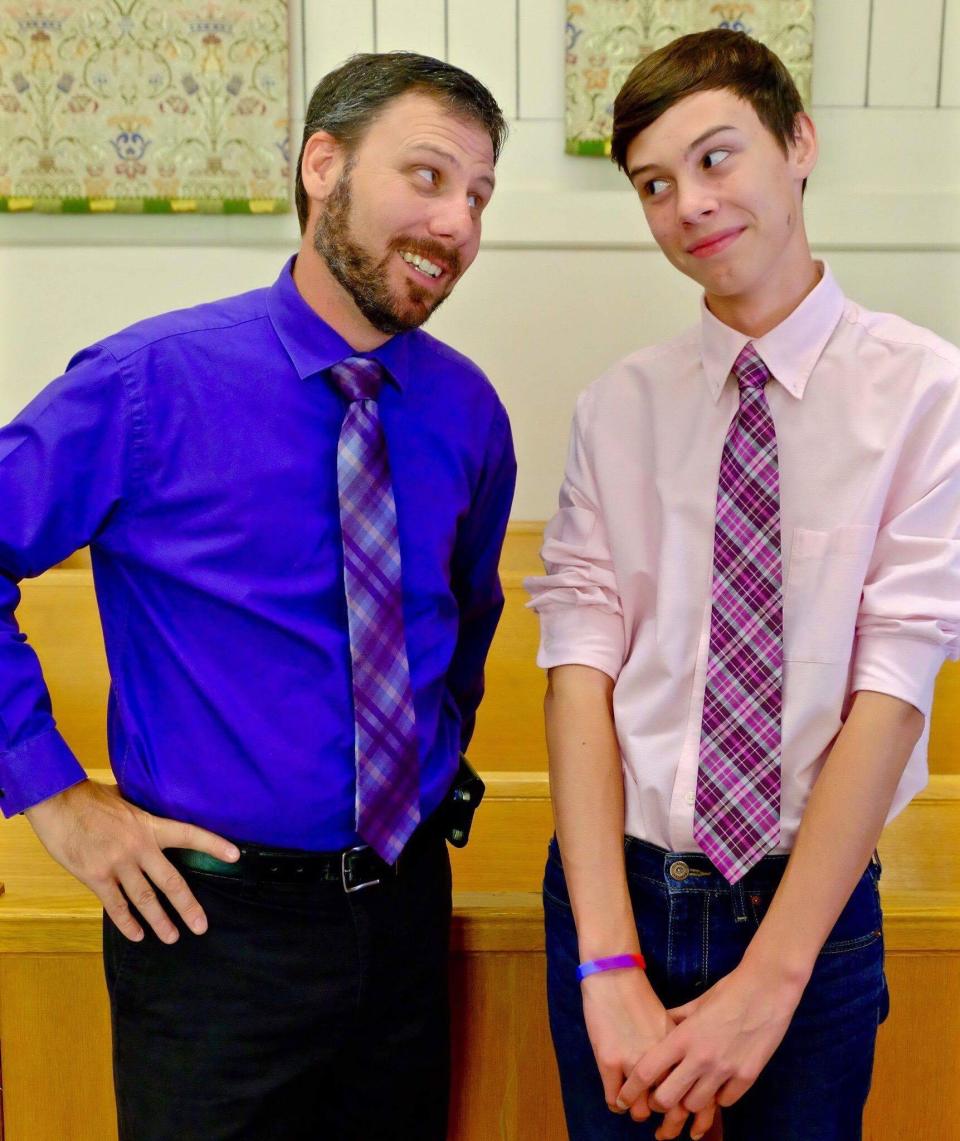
[
  {"x": 423, "y": 266},
  {"x": 715, "y": 243}
]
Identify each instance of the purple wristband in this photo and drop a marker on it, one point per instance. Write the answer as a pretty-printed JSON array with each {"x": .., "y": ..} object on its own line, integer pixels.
[{"x": 611, "y": 963}]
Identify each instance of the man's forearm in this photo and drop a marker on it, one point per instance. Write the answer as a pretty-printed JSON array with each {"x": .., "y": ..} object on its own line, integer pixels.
[
  {"x": 586, "y": 782},
  {"x": 840, "y": 829}
]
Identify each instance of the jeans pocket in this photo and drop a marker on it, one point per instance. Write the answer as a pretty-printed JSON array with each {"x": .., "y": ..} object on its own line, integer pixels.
[
  {"x": 554, "y": 882},
  {"x": 860, "y": 923}
]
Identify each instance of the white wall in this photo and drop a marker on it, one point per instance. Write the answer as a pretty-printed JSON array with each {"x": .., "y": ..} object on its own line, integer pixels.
[{"x": 568, "y": 279}]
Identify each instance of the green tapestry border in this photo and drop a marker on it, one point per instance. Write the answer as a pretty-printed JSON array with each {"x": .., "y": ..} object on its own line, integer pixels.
[
  {"x": 599, "y": 148},
  {"x": 143, "y": 206},
  {"x": 606, "y": 38}
]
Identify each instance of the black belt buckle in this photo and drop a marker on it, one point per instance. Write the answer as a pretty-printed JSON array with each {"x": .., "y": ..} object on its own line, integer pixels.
[{"x": 351, "y": 873}]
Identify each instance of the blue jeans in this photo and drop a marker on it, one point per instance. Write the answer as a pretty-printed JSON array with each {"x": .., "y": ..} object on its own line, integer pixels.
[{"x": 694, "y": 928}]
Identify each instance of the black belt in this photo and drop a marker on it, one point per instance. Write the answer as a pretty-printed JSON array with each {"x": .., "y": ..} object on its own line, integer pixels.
[{"x": 354, "y": 868}]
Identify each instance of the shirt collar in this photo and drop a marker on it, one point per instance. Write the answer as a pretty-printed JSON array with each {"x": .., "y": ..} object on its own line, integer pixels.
[
  {"x": 790, "y": 351},
  {"x": 313, "y": 346}
]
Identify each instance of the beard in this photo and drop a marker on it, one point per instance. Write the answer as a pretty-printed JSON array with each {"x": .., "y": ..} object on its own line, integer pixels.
[{"x": 366, "y": 280}]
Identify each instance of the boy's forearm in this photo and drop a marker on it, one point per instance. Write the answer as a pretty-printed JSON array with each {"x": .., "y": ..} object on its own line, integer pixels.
[
  {"x": 586, "y": 782},
  {"x": 840, "y": 829}
]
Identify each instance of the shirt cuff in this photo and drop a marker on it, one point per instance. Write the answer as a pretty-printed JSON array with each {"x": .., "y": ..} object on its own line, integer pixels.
[
  {"x": 581, "y": 636},
  {"x": 902, "y": 667},
  {"x": 36, "y": 770}
]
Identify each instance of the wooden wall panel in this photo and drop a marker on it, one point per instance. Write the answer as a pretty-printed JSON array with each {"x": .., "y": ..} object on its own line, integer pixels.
[
  {"x": 54, "y": 1030},
  {"x": 55, "y": 1035},
  {"x": 509, "y": 1086},
  {"x": 945, "y": 721},
  {"x": 920, "y": 1035}
]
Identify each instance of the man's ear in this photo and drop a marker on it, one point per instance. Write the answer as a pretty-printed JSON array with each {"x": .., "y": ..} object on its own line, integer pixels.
[
  {"x": 805, "y": 147},
  {"x": 323, "y": 160}
]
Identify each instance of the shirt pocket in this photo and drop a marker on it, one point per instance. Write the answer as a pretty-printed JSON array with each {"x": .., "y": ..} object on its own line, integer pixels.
[{"x": 822, "y": 592}]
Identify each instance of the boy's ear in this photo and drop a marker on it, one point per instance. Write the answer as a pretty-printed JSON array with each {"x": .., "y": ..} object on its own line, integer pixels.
[
  {"x": 805, "y": 147},
  {"x": 323, "y": 159}
]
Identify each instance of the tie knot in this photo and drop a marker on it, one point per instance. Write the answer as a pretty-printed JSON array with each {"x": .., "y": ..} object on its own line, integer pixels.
[
  {"x": 358, "y": 378},
  {"x": 749, "y": 369}
]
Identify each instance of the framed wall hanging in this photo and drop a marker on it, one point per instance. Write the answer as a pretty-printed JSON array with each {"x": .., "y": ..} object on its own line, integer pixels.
[{"x": 144, "y": 106}]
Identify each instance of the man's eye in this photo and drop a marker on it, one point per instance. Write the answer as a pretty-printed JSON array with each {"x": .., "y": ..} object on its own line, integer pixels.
[
  {"x": 428, "y": 174},
  {"x": 714, "y": 158},
  {"x": 655, "y": 186},
  {"x": 475, "y": 201}
]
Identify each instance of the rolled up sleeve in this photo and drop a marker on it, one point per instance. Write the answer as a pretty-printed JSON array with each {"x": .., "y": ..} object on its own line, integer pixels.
[
  {"x": 577, "y": 599},
  {"x": 909, "y": 618}
]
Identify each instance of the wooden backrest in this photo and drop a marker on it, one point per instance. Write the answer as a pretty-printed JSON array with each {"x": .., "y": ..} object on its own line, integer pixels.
[{"x": 59, "y": 617}]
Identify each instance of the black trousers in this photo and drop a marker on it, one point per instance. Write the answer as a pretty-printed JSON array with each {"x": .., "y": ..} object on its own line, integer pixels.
[{"x": 304, "y": 1013}]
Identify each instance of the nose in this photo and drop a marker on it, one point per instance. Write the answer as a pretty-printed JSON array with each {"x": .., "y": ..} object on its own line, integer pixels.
[
  {"x": 453, "y": 220},
  {"x": 695, "y": 201}
]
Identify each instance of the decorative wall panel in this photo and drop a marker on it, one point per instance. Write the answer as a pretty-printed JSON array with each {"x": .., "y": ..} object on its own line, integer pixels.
[
  {"x": 605, "y": 38},
  {"x": 144, "y": 106}
]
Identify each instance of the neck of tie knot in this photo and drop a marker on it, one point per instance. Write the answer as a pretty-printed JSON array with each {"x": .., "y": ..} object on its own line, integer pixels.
[
  {"x": 749, "y": 369},
  {"x": 358, "y": 378}
]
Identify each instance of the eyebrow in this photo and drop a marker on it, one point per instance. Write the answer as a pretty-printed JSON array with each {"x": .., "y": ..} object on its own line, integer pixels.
[
  {"x": 453, "y": 160},
  {"x": 632, "y": 174}
]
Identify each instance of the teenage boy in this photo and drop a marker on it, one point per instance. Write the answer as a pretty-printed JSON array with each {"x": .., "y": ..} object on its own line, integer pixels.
[{"x": 752, "y": 580}]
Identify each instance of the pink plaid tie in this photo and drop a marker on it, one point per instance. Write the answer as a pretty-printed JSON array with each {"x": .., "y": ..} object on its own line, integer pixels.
[
  {"x": 737, "y": 811},
  {"x": 388, "y": 770}
]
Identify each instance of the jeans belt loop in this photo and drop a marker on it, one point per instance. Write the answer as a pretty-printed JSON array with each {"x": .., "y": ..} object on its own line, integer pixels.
[{"x": 738, "y": 901}]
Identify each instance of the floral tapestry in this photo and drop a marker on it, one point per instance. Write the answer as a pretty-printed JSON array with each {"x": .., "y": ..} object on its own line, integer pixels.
[
  {"x": 153, "y": 106},
  {"x": 605, "y": 38}
]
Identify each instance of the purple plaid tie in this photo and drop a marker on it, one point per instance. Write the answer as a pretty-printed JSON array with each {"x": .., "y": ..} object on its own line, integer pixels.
[
  {"x": 737, "y": 813},
  {"x": 388, "y": 771}
]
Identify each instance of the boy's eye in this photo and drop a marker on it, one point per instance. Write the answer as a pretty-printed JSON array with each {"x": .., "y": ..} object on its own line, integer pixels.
[
  {"x": 476, "y": 202},
  {"x": 714, "y": 158},
  {"x": 655, "y": 186}
]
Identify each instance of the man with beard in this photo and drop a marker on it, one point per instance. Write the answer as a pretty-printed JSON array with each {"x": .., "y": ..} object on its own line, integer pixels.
[{"x": 295, "y": 502}]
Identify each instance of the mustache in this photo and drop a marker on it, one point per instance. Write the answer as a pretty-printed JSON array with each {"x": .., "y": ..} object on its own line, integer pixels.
[{"x": 432, "y": 250}]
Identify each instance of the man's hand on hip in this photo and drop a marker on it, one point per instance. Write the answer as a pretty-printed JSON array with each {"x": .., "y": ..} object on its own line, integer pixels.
[{"x": 116, "y": 849}]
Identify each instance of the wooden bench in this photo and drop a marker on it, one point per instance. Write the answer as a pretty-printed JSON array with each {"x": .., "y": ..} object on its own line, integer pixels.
[
  {"x": 54, "y": 1029},
  {"x": 59, "y": 616}
]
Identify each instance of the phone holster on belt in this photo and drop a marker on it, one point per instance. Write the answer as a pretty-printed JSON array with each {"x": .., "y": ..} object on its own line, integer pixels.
[{"x": 462, "y": 801}]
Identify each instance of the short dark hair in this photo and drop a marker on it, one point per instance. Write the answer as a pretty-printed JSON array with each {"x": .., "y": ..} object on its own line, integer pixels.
[
  {"x": 706, "y": 61},
  {"x": 347, "y": 100}
]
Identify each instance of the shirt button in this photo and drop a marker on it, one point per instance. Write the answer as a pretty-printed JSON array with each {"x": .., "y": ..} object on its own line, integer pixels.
[
  {"x": 679, "y": 870},
  {"x": 689, "y": 797}
]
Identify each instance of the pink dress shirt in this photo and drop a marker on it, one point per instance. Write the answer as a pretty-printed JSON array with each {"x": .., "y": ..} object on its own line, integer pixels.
[{"x": 867, "y": 413}]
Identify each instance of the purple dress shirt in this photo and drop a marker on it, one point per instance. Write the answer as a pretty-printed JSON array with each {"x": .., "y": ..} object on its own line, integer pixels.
[{"x": 196, "y": 453}]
